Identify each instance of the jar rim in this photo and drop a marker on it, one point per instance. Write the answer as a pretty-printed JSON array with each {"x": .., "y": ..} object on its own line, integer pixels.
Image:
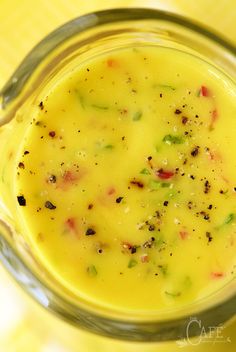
[{"x": 82, "y": 23}]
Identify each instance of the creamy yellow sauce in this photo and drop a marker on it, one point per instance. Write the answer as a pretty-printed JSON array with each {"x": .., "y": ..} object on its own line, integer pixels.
[{"x": 126, "y": 179}]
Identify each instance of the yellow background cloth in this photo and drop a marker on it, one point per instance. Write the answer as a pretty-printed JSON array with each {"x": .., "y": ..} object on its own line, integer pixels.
[{"x": 23, "y": 326}]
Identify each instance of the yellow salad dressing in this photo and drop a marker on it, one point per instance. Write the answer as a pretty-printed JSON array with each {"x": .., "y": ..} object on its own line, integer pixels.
[{"x": 125, "y": 179}]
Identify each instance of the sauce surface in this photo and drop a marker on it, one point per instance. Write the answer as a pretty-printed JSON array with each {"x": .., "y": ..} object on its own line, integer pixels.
[{"x": 126, "y": 179}]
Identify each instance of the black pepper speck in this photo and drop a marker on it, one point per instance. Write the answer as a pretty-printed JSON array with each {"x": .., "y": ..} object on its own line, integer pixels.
[
  {"x": 21, "y": 200},
  {"x": 49, "y": 205},
  {"x": 119, "y": 199},
  {"x": 195, "y": 151},
  {"x": 90, "y": 232}
]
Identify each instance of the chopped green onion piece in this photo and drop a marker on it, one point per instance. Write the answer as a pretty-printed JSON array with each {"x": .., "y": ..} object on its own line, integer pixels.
[
  {"x": 109, "y": 146},
  {"x": 229, "y": 218},
  {"x": 132, "y": 263},
  {"x": 173, "y": 193},
  {"x": 227, "y": 221},
  {"x": 99, "y": 107},
  {"x": 145, "y": 172},
  {"x": 158, "y": 242},
  {"x": 81, "y": 99},
  {"x": 137, "y": 115},
  {"x": 154, "y": 184},
  {"x": 165, "y": 184},
  {"x": 173, "y": 294},
  {"x": 163, "y": 269},
  {"x": 166, "y": 86},
  {"x": 171, "y": 139},
  {"x": 92, "y": 271}
]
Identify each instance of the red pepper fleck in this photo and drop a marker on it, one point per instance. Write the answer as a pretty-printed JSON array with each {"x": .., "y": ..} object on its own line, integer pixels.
[
  {"x": 52, "y": 134},
  {"x": 217, "y": 274},
  {"x": 214, "y": 118},
  {"x": 212, "y": 155},
  {"x": 204, "y": 91},
  {"x": 183, "y": 234},
  {"x": 215, "y": 155},
  {"x": 214, "y": 115},
  {"x": 111, "y": 191},
  {"x": 144, "y": 258},
  {"x": 129, "y": 247},
  {"x": 126, "y": 245},
  {"x": 69, "y": 177},
  {"x": 164, "y": 174},
  {"x": 112, "y": 63},
  {"x": 70, "y": 224},
  {"x": 184, "y": 120}
]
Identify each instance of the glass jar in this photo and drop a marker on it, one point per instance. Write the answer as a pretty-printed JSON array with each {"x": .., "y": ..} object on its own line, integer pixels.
[{"x": 58, "y": 54}]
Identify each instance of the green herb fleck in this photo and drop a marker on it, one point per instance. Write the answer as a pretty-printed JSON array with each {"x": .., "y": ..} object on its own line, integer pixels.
[
  {"x": 145, "y": 172},
  {"x": 81, "y": 99},
  {"x": 137, "y": 115},
  {"x": 173, "y": 294},
  {"x": 99, "y": 107},
  {"x": 171, "y": 139},
  {"x": 132, "y": 263},
  {"x": 109, "y": 146},
  {"x": 229, "y": 219},
  {"x": 155, "y": 185},
  {"x": 163, "y": 269},
  {"x": 166, "y": 86},
  {"x": 171, "y": 194},
  {"x": 159, "y": 241},
  {"x": 92, "y": 271}
]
